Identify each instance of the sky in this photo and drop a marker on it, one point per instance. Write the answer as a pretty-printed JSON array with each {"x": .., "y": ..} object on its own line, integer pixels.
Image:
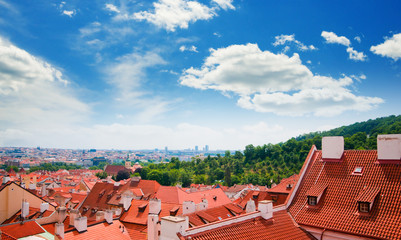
[{"x": 125, "y": 74}]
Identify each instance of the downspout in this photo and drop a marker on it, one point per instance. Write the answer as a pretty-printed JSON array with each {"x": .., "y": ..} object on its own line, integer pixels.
[{"x": 321, "y": 237}]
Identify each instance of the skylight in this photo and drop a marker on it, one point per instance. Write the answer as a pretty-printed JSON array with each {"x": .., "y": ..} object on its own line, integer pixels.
[{"x": 358, "y": 170}]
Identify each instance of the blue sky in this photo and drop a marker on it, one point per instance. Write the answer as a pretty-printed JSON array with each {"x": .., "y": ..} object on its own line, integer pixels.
[{"x": 177, "y": 73}]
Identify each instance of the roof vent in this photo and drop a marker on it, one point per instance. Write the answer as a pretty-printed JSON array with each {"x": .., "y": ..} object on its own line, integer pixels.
[
  {"x": 389, "y": 148},
  {"x": 332, "y": 148}
]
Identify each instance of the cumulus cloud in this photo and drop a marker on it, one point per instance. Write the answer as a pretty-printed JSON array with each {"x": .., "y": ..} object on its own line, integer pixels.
[
  {"x": 268, "y": 82},
  {"x": 284, "y": 39},
  {"x": 112, "y": 8},
  {"x": 333, "y": 38},
  {"x": 190, "y": 49},
  {"x": 33, "y": 93},
  {"x": 355, "y": 55},
  {"x": 352, "y": 53},
  {"x": 173, "y": 14},
  {"x": 390, "y": 48}
]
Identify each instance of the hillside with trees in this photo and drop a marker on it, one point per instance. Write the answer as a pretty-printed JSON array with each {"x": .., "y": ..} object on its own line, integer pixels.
[{"x": 269, "y": 163}]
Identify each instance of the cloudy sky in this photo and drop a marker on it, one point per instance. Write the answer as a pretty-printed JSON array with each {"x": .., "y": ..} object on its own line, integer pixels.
[{"x": 178, "y": 73}]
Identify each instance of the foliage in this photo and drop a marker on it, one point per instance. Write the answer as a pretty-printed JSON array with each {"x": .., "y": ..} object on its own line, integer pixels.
[
  {"x": 54, "y": 166},
  {"x": 263, "y": 165},
  {"x": 122, "y": 174},
  {"x": 101, "y": 175}
]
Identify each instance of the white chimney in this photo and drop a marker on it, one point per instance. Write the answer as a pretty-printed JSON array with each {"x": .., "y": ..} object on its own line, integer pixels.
[
  {"x": 152, "y": 227},
  {"x": 126, "y": 202},
  {"x": 81, "y": 224},
  {"x": 266, "y": 208},
  {"x": 62, "y": 213},
  {"x": 60, "y": 230},
  {"x": 202, "y": 205},
  {"x": 332, "y": 148},
  {"x": 108, "y": 215},
  {"x": 6, "y": 179},
  {"x": 74, "y": 213},
  {"x": 170, "y": 226},
  {"x": 250, "y": 206},
  {"x": 389, "y": 147},
  {"x": 188, "y": 207},
  {"x": 44, "y": 207},
  {"x": 155, "y": 206},
  {"x": 43, "y": 192},
  {"x": 32, "y": 186},
  {"x": 99, "y": 215},
  {"x": 24, "y": 208}
]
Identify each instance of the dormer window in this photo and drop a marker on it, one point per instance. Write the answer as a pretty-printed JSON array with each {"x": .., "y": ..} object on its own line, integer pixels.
[
  {"x": 312, "y": 201},
  {"x": 364, "y": 207}
]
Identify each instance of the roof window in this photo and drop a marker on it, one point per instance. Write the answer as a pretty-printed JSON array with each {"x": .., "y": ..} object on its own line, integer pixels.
[
  {"x": 312, "y": 201},
  {"x": 364, "y": 207},
  {"x": 357, "y": 171}
]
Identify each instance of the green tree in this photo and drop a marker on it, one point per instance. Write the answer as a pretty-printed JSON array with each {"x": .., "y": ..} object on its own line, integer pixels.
[{"x": 122, "y": 174}]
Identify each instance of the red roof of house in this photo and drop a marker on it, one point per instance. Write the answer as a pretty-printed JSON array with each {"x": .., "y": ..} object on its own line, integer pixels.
[
  {"x": 283, "y": 186},
  {"x": 215, "y": 197},
  {"x": 100, "y": 231},
  {"x": 214, "y": 214},
  {"x": 18, "y": 230},
  {"x": 136, "y": 231},
  {"x": 278, "y": 198},
  {"x": 279, "y": 227},
  {"x": 114, "y": 169},
  {"x": 337, "y": 209}
]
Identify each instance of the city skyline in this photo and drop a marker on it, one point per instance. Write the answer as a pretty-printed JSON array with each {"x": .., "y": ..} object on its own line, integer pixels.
[{"x": 176, "y": 73}]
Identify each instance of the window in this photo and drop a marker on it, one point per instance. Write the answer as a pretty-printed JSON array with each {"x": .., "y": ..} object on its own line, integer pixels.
[
  {"x": 312, "y": 201},
  {"x": 358, "y": 171},
  {"x": 364, "y": 207}
]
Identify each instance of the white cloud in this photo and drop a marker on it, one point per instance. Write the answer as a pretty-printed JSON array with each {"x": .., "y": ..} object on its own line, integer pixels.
[
  {"x": 225, "y": 4},
  {"x": 355, "y": 55},
  {"x": 268, "y": 82},
  {"x": 112, "y": 8},
  {"x": 69, "y": 13},
  {"x": 284, "y": 39},
  {"x": 190, "y": 49},
  {"x": 33, "y": 93},
  {"x": 173, "y": 14},
  {"x": 390, "y": 48},
  {"x": 333, "y": 38},
  {"x": 358, "y": 39}
]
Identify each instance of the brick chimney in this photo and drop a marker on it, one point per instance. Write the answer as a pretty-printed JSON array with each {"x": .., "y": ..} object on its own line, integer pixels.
[
  {"x": 266, "y": 208},
  {"x": 153, "y": 232},
  {"x": 332, "y": 148},
  {"x": 81, "y": 224},
  {"x": 188, "y": 207},
  {"x": 60, "y": 230},
  {"x": 25, "y": 208},
  {"x": 389, "y": 148},
  {"x": 250, "y": 206},
  {"x": 155, "y": 206}
]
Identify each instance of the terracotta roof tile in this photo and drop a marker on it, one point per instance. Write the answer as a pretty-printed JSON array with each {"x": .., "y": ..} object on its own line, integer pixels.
[
  {"x": 280, "y": 227},
  {"x": 26, "y": 229},
  {"x": 338, "y": 207},
  {"x": 316, "y": 190},
  {"x": 103, "y": 230}
]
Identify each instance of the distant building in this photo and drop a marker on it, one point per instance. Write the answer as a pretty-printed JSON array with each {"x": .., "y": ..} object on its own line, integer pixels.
[{"x": 97, "y": 160}]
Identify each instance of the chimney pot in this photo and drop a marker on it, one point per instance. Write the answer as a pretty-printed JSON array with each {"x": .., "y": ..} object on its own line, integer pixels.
[
  {"x": 44, "y": 207},
  {"x": 60, "y": 230},
  {"x": 25, "y": 208},
  {"x": 266, "y": 208},
  {"x": 74, "y": 213},
  {"x": 108, "y": 216}
]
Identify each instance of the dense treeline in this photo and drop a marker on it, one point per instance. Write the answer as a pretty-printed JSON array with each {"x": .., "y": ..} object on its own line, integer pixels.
[{"x": 269, "y": 163}]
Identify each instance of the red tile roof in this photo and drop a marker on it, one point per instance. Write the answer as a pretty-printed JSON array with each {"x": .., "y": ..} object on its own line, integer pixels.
[
  {"x": 316, "y": 190},
  {"x": 278, "y": 198},
  {"x": 338, "y": 207},
  {"x": 103, "y": 230},
  {"x": 214, "y": 214},
  {"x": 136, "y": 232},
  {"x": 114, "y": 169},
  {"x": 279, "y": 227},
  {"x": 26, "y": 229},
  {"x": 282, "y": 187}
]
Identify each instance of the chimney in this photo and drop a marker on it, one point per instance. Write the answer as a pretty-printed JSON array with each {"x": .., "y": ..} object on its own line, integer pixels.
[
  {"x": 202, "y": 205},
  {"x": 126, "y": 202},
  {"x": 170, "y": 226},
  {"x": 44, "y": 207},
  {"x": 108, "y": 216},
  {"x": 188, "y": 207},
  {"x": 25, "y": 208},
  {"x": 266, "y": 208},
  {"x": 81, "y": 224},
  {"x": 250, "y": 206},
  {"x": 152, "y": 227},
  {"x": 74, "y": 213},
  {"x": 155, "y": 206},
  {"x": 43, "y": 192},
  {"x": 389, "y": 148},
  {"x": 6, "y": 179},
  {"x": 60, "y": 230},
  {"x": 99, "y": 215},
  {"x": 32, "y": 186},
  {"x": 62, "y": 213},
  {"x": 332, "y": 148}
]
